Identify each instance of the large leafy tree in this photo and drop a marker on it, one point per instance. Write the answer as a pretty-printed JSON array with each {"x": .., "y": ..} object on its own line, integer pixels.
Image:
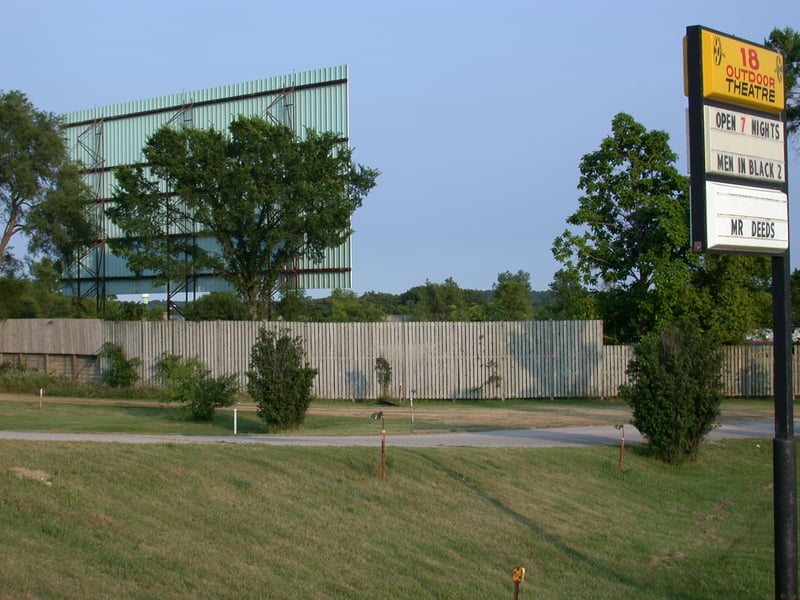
[
  {"x": 788, "y": 40},
  {"x": 631, "y": 229},
  {"x": 267, "y": 198},
  {"x": 629, "y": 262},
  {"x": 42, "y": 195}
]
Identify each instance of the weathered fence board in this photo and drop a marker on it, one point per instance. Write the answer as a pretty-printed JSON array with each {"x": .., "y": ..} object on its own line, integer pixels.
[{"x": 51, "y": 336}]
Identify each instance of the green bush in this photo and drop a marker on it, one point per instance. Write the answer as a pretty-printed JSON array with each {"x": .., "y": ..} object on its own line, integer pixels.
[
  {"x": 188, "y": 382},
  {"x": 16, "y": 379},
  {"x": 19, "y": 380},
  {"x": 120, "y": 371},
  {"x": 278, "y": 380},
  {"x": 675, "y": 388}
]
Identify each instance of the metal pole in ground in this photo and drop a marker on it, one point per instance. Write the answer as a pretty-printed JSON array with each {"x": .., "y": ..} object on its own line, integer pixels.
[{"x": 784, "y": 457}]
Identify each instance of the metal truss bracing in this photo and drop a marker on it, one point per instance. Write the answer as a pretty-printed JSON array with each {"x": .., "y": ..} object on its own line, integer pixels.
[
  {"x": 180, "y": 225},
  {"x": 282, "y": 109},
  {"x": 92, "y": 262}
]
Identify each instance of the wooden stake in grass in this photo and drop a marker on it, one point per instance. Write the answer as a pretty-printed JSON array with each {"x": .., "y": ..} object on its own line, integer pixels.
[
  {"x": 517, "y": 576},
  {"x": 621, "y": 446},
  {"x": 375, "y": 417}
]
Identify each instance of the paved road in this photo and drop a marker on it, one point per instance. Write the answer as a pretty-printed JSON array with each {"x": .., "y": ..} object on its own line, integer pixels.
[{"x": 507, "y": 438}]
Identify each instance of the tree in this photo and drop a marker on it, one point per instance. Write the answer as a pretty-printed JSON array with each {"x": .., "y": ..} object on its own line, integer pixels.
[
  {"x": 46, "y": 289},
  {"x": 41, "y": 191},
  {"x": 123, "y": 310},
  {"x": 389, "y": 304},
  {"x": 443, "y": 302},
  {"x": 788, "y": 41},
  {"x": 347, "y": 307},
  {"x": 292, "y": 306},
  {"x": 633, "y": 227},
  {"x": 342, "y": 306},
  {"x": 675, "y": 389},
  {"x": 216, "y": 306},
  {"x": 568, "y": 299},
  {"x": 267, "y": 198},
  {"x": 383, "y": 372},
  {"x": 37, "y": 295},
  {"x": 511, "y": 300},
  {"x": 731, "y": 295},
  {"x": 18, "y": 302}
]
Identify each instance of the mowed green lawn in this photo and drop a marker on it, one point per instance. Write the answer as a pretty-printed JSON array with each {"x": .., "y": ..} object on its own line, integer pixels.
[
  {"x": 82, "y": 520},
  {"x": 25, "y": 412}
]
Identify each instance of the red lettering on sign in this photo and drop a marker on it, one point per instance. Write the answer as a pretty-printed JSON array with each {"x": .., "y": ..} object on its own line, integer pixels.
[{"x": 750, "y": 58}]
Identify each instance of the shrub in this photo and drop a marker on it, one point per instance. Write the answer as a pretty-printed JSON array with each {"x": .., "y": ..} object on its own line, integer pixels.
[
  {"x": 675, "y": 389},
  {"x": 120, "y": 371},
  {"x": 278, "y": 381},
  {"x": 188, "y": 382},
  {"x": 17, "y": 379}
]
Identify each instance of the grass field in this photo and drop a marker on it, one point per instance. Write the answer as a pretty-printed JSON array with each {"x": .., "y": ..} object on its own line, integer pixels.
[
  {"x": 81, "y": 520},
  {"x": 25, "y": 412}
]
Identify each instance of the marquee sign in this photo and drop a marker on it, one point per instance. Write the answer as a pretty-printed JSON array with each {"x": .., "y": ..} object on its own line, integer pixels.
[
  {"x": 746, "y": 218},
  {"x": 742, "y": 73},
  {"x": 742, "y": 145},
  {"x": 737, "y": 144}
]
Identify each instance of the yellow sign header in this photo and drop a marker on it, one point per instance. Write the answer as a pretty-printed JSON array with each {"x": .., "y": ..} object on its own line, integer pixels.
[{"x": 741, "y": 73}]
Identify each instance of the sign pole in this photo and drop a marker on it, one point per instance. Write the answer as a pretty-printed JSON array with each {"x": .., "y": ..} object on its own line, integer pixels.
[
  {"x": 784, "y": 448},
  {"x": 740, "y": 204}
]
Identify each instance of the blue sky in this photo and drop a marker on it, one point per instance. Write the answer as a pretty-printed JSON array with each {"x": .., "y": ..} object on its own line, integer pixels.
[{"x": 476, "y": 113}]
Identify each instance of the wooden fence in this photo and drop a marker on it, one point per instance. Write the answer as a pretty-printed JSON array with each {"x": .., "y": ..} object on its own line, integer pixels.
[{"x": 527, "y": 359}]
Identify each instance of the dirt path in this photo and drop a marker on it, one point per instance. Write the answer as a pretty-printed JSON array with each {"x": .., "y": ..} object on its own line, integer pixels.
[{"x": 536, "y": 416}]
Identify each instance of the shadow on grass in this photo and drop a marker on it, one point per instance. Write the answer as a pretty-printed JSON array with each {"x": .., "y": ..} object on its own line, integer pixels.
[
  {"x": 573, "y": 553},
  {"x": 172, "y": 415}
]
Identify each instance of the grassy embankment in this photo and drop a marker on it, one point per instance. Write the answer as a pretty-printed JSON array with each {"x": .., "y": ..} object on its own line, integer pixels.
[{"x": 84, "y": 520}]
